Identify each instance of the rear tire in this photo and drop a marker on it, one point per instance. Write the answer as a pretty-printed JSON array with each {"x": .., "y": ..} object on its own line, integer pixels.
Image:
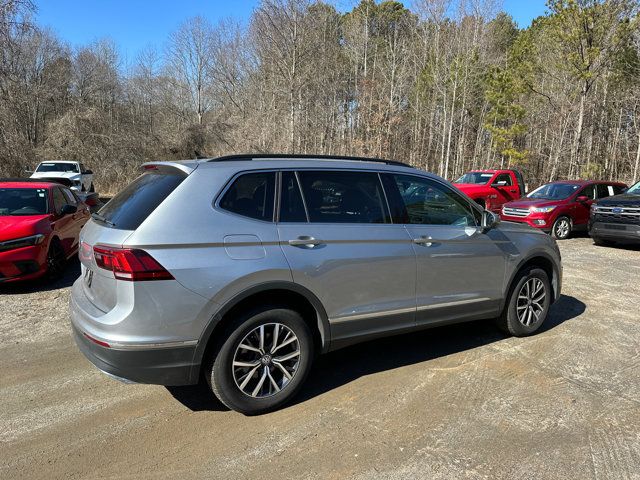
[
  {"x": 270, "y": 366},
  {"x": 92, "y": 188},
  {"x": 527, "y": 304},
  {"x": 562, "y": 228}
]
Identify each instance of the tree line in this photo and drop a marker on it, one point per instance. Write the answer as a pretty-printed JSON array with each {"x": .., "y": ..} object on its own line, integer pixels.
[{"x": 446, "y": 86}]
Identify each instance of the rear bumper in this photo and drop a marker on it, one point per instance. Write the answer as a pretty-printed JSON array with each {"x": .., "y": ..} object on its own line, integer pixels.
[
  {"x": 615, "y": 231},
  {"x": 159, "y": 366},
  {"x": 23, "y": 263},
  {"x": 137, "y": 344}
]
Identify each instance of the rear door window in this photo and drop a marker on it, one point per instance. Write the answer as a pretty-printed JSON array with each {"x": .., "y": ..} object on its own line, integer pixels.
[
  {"x": 251, "y": 195},
  {"x": 343, "y": 197},
  {"x": 129, "y": 208}
]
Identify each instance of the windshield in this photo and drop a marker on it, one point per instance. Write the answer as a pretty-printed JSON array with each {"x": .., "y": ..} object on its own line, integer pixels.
[
  {"x": 58, "y": 167},
  {"x": 23, "y": 201},
  {"x": 554, "y": 191},
  {"x": 476, "y": 178},
  {"x": 635, "y": 189}
]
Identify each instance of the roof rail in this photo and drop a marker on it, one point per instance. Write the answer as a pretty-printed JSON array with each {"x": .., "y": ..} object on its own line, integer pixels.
[{"x": 259, "y": 156}]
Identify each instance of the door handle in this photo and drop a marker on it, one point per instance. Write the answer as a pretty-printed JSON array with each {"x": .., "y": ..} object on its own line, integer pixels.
[
  {"x": 513, "y": 191},
  {"x": 305, "y": 242},
  {"x": 426, "y": 241}
]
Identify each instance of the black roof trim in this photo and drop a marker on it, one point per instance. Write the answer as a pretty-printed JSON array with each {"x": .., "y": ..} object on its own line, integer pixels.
[
  {"x": 254, "y": 156},
  {"x": 29, "y": 180}
]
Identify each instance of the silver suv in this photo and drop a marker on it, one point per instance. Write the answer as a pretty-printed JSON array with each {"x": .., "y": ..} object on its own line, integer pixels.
[{"x": 240, "y": 269}]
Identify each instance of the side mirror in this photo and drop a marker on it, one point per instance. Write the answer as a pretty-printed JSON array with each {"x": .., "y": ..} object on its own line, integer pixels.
[
  {"x": 582, "y": 199},
  {"x": 489, "y": 220},
  {"x": 88, "y": 172},
  {"x": 498, "y": 184},
  {"x": 68, "y": 209},
  {"x": 26, "y": 170}
]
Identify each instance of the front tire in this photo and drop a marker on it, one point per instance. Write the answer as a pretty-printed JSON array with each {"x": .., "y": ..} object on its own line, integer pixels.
[
  {"x": 528, "y": 303},
  {"x": 92, "y": 189},
  {"x": 263, "y": 361},
  {"x": 600, "y": 242},
  {"x": 562, "y": 228},
  {"x": 56, "y": 260}
]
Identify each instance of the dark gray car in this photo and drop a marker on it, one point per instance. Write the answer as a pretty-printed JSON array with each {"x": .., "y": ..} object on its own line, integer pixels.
[{"x": 240, "y": 269}]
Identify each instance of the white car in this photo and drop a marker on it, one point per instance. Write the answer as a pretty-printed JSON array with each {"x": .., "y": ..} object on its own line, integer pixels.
[{"x": 72, "y": 173}]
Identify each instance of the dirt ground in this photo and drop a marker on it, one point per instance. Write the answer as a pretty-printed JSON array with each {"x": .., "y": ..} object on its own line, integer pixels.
[{"x": 454, "y": 402}]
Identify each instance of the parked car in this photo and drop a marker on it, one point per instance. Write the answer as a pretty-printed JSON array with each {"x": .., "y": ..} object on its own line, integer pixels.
[
  {"x": 560, "y": 207},
  {"x": 80, "y": 178},
  {"x": 40, "y": 224},
  {"x": 492, "y": 188},
  {"x": 616, "y": 218},
  {"x": 239, "y": 269}
]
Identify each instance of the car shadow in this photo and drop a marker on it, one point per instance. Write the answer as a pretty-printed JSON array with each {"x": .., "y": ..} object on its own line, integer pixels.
[
  {"x": 43, "y": 284},
  {"x": 341, "y": 367}
]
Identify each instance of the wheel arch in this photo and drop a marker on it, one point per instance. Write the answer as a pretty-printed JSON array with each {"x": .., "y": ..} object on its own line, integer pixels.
[
  {"x": 541, "y": 260},
  {"x": 286, "y": 293}
]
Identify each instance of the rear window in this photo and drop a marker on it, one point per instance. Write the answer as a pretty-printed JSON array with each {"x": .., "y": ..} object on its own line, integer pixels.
[{"x": 129, "y": 208}]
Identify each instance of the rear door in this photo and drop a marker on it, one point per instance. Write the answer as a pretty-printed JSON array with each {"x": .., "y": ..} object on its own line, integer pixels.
[
  {"x": 460, "y": 270},
  {"x": 341, "y": 245}
]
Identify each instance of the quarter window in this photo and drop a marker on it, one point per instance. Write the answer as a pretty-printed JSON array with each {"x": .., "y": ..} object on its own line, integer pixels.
[
  {"x": 343, "y": 197},
  {"x": 251, "y": 195},
  {"x": 428, "y": 203}
]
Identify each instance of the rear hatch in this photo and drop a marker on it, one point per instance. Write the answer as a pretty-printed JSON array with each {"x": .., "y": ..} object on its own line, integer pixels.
[{"x": 116, "y": 221}]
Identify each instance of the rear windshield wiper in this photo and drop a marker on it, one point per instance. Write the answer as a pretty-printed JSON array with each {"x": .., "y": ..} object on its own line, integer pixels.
[{"x": 100, "y": 218}]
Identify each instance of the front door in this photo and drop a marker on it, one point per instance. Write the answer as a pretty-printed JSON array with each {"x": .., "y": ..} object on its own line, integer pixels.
[
  {"x": 460, "y": 270},
  {"x": 581, "y": 210},
  {"x": 341, "y": 245},
  {"x": 505, "y": 191}
]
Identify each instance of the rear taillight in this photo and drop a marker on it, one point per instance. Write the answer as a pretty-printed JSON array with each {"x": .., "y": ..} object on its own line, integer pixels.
[{"x": 130, "y": 264}]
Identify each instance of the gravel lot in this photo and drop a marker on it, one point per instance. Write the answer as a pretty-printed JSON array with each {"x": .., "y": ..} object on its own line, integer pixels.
[{"x": 454, "y": 402}]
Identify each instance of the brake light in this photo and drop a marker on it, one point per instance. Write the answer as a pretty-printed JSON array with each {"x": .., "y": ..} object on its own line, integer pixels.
[{"x": 130, "y": 264}]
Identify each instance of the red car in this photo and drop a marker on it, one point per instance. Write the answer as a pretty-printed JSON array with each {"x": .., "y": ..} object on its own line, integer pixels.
[
  {"x": 492, "y": 188},
  {"x": 39, "y": 227},
  {"x": 560, "y": 207}
]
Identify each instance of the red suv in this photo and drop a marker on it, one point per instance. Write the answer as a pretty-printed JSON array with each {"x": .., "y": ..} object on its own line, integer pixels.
[
  {"x": 40, "y": 224},
  {"x": 560, "y": 207}
]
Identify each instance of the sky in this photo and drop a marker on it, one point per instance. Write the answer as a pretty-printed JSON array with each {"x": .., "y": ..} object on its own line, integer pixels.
[{"x": 136, "y": 24}]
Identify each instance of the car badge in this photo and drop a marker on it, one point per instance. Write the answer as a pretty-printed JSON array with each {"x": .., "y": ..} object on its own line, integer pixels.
[{"x": 617, "y": 210}]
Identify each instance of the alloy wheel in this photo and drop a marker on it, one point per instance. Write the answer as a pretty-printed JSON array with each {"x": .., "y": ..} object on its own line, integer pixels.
[
  {"x": 562, "y": 228},
  {"x": 55, "y": 260},
  {"x": 530, "y": 304},
  {"x": 266, "y": 360}
]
